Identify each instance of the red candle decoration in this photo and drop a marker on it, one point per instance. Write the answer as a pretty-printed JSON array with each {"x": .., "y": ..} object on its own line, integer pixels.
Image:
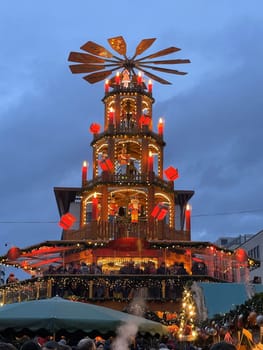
[
  {"x": 150, "y": 162},
  {"x": 160, "y": 127},
  {"x": 188, "y": 217},
  {"x": 106, "y": 86},
  {"x": 117, "y": 78},
  {"x": 171, "y": 173},
  {"x": 150, "y": 86},
  {"x": 66, "y": 221},
  {"x": 95, "y": 207},
  {"x": 111, "y": 115},
  {"x": 139, "y": 78},
  {"x": 84, "y": 171}
]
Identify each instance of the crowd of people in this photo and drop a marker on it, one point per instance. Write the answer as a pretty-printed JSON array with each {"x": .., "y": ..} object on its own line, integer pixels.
[
  {"x": 148, "y": 268},
  {"x": 111, "y": 343}
]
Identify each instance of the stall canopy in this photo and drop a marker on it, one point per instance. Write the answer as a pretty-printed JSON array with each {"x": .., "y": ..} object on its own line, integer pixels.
[{"x": 56, "y": 314}]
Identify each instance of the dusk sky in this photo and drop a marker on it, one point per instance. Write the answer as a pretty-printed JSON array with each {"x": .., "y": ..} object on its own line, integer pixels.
[{"x": 213, "y": 116}]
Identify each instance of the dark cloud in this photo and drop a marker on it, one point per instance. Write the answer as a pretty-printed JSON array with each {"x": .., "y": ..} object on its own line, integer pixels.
[{"x": 216, "y": 136}]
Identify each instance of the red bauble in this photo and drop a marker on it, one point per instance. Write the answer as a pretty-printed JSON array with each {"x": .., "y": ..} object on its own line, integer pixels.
[
  {"x": 13, "y": 253},
  {"x": 241, "y": 255},
  {"x": 94, "y": 128}
]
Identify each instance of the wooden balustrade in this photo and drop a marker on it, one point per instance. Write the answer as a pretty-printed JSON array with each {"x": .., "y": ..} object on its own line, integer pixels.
[{"x": 105, "y": 231}]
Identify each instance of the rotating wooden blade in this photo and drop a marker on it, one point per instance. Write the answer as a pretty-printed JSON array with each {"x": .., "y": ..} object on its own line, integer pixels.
[
  {"x": 143, "y": 45},
  {"x": 161, "y": 53},
  {"x": 95, "y": 77},
  {"x": 178, "y": 61},
  {"x": 166, "y": 70},
  {"x": 84, "y": 58},
  {"x": 96, "y": 49},
  {"x": 118, "y": 44},
  {"x": 155, "y": 77},
  {"x": 85, "y": 68}
]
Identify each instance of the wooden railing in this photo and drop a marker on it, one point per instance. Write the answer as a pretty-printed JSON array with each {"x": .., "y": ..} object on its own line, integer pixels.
[
  {"x": 105, "y": 231},
  {"x": 124, "y": 179}
]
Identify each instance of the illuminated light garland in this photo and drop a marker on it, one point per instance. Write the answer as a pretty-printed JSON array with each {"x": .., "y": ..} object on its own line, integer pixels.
[{"x": 187, "y": 330}]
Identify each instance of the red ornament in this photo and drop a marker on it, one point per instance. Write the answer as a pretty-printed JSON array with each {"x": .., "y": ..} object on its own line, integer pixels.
[
  {"x": 106, "y": 164},
  {"x": 13, "y": 253},
  {"x": 67, "y": 220},
  {"x": 171, "y": 173},
  {"x": 145, "y": 120},
  {"x": 94, "y": 128},
  {"x": 241, "y": 255},
  {"x": 160, "y": 210}
]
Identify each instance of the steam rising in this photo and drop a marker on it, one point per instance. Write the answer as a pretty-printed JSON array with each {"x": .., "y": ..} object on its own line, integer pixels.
[{"x": 126, "y": 333}]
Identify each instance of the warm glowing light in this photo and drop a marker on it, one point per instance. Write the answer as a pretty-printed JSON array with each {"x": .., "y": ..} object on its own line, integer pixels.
[
  {"x": 150, "y": 86},
  {"x": 188, "y": 206},
  {"x": 117, "y": 78},
  {"x": 139, "y": 78},
  {"x": 111, "y": 115},
  {"x": 160, "y": 127},
  {"x": 106, "y": 86},
  {"x": 84, "y": 170},
  {"x": 188, "y": 210},
  {"x": 150, "y": 162},
  {"x": 95, "y": 207}
]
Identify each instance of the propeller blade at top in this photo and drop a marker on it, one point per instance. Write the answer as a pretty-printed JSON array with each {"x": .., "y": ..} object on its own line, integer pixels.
[
  {"x": 85, "y": 68},
  {"x": 143, "y": 45},
  {"x": 162, "y": 53},
  {"x": 98, "y": 76},
  {"x": 155, "y": 77},
  {"x": 84, "y": 58},
  {"x": 177, "y": 61},
  {"x": 118, "y": 44},
  {"x": 96, "y": 49},
  {"x": 165, "y": 70}
]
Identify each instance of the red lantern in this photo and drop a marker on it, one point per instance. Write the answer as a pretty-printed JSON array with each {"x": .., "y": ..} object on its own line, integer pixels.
[
  {"x": 160, "y": 210},
  {"x": 145, "y": 120},
  {"x": 171, "y": 173},
  {"x": 67, "y": 220},
  {"x": 106, "y": 164},
  {"x": 94, "y": 128},
  {"x": 241, "y": 255},
  {"x": 13, "y": 253}
]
